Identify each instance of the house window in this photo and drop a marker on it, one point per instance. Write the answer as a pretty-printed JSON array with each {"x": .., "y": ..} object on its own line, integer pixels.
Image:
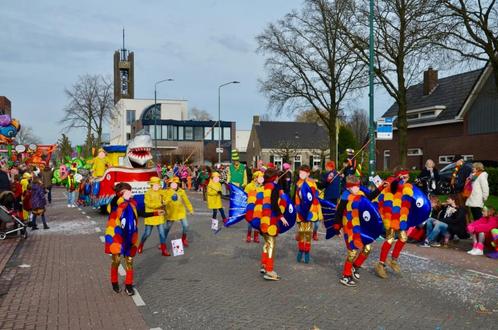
[
  {"x": 468, "y": 157},
  {"x": 180, "y": 133},
  {"x": 445, "y": 159},
  {"x": 198, "y": 133},
  {"x": 146, "y": 128},
  {"x": 208, "y": 133},
  {"x": 164, "y": 133},
  {"x": 278, "y": 161},
  {"x": 316, "y": 161},
  {"x": 216, "y": 133},
  {"x": 387, "y": 156},
  {"x": 415, "y": 152},
  {"x": 427, "y": 114},
  {"x": 130, "y": 117},
  {"x": 128, "y": 136},
  {"x": 412, "y": 116},
  {"x": 189, "y": 133},
  {"x": 424, "y": 114},
  {"x": 227, "y": 133},
  {"x": 297, "y": 162},
  {"x": 156, "y": 132}
]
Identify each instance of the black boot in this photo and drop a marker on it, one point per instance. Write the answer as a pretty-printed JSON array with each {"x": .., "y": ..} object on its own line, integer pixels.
[
  {"x": 116, "y": 288},
  {"x": 129, "y": 290},
  {"x": 46, "y": 227}
]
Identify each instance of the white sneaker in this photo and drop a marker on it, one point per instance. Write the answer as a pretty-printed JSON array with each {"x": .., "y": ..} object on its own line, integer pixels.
[
  {"x": 68, "y": 205},
  {"x": 471, "y": 251},
  {"x": 477, "y": 252}
]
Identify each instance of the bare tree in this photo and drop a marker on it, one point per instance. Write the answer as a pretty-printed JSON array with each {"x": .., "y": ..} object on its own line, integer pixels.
[
  {"x": 357, "y": 120},
  {"x": 26, "y": 136},
  {"x": 308, "y": 116},
  {"x": 199, "y": 114},
  {"x": 308, "y": 64},
  {"x": 90, "y": 105},
  {"x": 473, "y": 31},
  {"x": 406, "y": 35}
]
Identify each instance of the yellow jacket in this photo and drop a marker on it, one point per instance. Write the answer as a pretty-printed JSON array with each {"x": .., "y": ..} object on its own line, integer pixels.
[
  {"x": 24, "y": 184},
  {"x": 154, "y": 201},
  {"x": 251, "y": 186},
  {"x": 212, "y": 195},
  {"x": 99, "y": 166},
  {"x": 176, "y": 201}
]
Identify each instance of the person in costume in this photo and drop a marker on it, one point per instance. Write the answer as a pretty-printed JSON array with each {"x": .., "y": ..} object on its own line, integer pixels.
[
  {"x": 494, "y": 244},
  {"x": 255, "y": 184},
  {"x": 122, "y": 236},
  {"x": 154, "y": 214},
  {"x": 100, "y": 164},
  {"x": 306, "y": 220},
  {"x": 236, "y": 174},
  {"x": 71, "y": 187},
  {"x": 394, "y": 211},
  {"x": 270, "y": 214},
  {"x": 285, "y": 180},
  {"x": 176, "y": 201},
  {"x": 347, "y": 218},
  {"x": 26, "y": 196},
  {"x": 213, "y": 196}
]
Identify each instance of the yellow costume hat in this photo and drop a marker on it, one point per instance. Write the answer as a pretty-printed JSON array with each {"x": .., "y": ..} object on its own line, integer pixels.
[
  {"x": 154, "y": 180},
  {"x": 26, "y": 175},
  {"x": 174, "y": 179},
  {"x": 215, "y": 174},
  {"x": 257, "y": 174}
]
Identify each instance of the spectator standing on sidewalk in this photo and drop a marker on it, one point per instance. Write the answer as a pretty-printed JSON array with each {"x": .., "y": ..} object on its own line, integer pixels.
[
  {"x": 46, "y": 176},
  {"x": 428, "y": 177},
  {"x": 460, "y": 174},
  {"x": 476, "y": 190},
  {"x": 71, "y": 186},
  {"x": 38, "y": 203}
]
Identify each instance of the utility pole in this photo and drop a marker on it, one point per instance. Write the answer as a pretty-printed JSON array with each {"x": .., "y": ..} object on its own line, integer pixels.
[{"x": 371, "y": 128}]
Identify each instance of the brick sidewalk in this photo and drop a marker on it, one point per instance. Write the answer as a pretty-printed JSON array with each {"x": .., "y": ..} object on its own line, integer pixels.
[{"x": 58, "y": 279}]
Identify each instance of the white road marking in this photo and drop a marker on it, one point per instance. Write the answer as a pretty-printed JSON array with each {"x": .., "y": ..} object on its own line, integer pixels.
[
  {"x": 137, "y": 298},
  {"x": 156, "y": 328},
  {"x": 203, "y": 213},
  {"x": 102, "y": 239},
  {"x": 82, "y": 212},
  {"x": 97, "y": 229},
  {"x": 79, "y": 208},
  {"x": 89, "y": 217},
  {"x": 92, "y": 222},
  {"x": 414, "y": 256},
  {"x": 24, "y": 266},
  {"x": 121, "y": 270},
  {"x": 481, "y": 273}
]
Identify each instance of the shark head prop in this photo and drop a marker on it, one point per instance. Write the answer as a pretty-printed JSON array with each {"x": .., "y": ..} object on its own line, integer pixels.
[{"x": 138, "y": 150}]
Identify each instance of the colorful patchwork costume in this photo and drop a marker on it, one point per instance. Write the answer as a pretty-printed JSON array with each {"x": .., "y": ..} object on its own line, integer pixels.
[
  {"x": 121, "y": 237},
  {"x": 264, "y": 212},
  {"x": 306, "y": 218},
  {"x": 252, "y": 186},
  {"x": 348, "y": 217},
  {"x": 394, "y": 206},
  {"x": 494, "y": 243}
]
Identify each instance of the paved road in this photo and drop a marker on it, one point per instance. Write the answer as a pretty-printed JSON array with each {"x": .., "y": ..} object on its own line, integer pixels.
[{"x": 216, "y": 285}]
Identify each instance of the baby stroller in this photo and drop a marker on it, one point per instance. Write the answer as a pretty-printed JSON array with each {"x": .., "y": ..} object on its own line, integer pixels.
[{"x": 7, "y": 217}]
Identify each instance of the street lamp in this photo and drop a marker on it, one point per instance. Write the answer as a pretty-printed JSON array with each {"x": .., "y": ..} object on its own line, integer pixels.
[
  {"x": 155, "y": 115},
  {"x": 219, "y": 116},
  {"x": 371, "y": 129}
]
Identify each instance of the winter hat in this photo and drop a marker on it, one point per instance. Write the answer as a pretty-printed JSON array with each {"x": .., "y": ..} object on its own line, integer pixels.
[
  {"x": 215, "y": 174},
  {"x": 235, "y": 155},
  {"x": 174, "y": 179},
  {"x": 286, "y": 166},
  {"x": 257, "y": 174},
  {"x": 330, "y": 164},
  {"x": 350, "y": 151}
]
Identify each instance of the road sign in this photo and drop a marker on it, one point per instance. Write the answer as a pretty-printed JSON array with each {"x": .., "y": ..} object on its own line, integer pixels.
[
  {"x": 219, "y": 150},
  {"x": 385, "y": 129}
]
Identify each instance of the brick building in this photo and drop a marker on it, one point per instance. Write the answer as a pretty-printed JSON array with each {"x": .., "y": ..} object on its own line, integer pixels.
[{"x": 453, "y": 115}]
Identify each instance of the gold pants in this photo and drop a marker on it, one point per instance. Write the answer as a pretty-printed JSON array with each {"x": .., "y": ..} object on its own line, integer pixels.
[
  {"x": 269, "y": 246},
  {"x": 305, "y": 230},
  {"x": 391, "y": 235},
  {"x": 116, "y": 261}
]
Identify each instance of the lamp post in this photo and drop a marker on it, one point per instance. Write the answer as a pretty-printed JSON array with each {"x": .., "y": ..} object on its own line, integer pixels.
[
  {"x": 219, "y": 115},
  {"x": 155, "y": 115},
  {"x": 371, "y": 129}
]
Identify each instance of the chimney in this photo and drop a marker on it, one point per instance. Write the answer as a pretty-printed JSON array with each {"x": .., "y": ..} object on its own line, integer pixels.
[
  {"x": 255, "y": 120},
  {"x": 430, "y": 81}
]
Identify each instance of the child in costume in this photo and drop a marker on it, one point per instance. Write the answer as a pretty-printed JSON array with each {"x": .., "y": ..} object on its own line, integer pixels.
[
  {"x": 154, "y": 214},
  {"x": 394, "y": 210},
  {"x": 494, "y": 243},
  {"x": 71, "y": 186},
  {"x": 481, "y": 228},
  {"x": 305, "y": 221},
  {"x": 347, "y": 218},
  {"x": 100, "y": 164},
  {"x": 122, "y": 236},
  {"x": 213, "y": 196},
  {"x": 256, "y": 183},
  {"x": 176, "y": 201},
  {"x": 267, "y": 202}
]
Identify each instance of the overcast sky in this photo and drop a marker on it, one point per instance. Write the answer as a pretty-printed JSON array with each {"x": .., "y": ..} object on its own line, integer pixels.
[{"x": 45, "y": 45}]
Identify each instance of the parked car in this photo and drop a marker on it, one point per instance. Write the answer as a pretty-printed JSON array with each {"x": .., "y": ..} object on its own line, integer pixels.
[{"x": 445, "y": 174}]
